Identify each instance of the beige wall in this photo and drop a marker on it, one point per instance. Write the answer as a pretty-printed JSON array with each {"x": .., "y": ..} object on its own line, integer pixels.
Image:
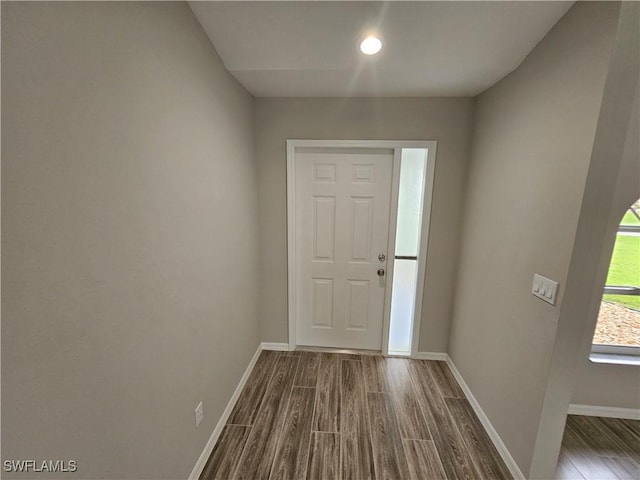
[
  {"x": 532, "y": 141},
  {"x": 605, "y": 384},
  {"x": 129, "y": 236},
  {"x": 446, "y": 120},
  {"x": 588, "y": 265}
]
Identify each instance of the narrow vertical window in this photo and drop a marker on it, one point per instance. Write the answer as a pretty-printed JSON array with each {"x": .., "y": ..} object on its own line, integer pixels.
[
  {"x": 618, "y": 327},
  {"x": 413, "y": 164}
]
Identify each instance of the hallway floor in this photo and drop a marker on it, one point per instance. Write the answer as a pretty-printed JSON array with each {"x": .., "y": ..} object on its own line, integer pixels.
[
  {"x": 341, "y": 416},
  {"x": 595, "y": 448}
]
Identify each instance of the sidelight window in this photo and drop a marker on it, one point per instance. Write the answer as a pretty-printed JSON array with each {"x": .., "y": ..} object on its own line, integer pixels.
[{"x": 413, "y": 165}]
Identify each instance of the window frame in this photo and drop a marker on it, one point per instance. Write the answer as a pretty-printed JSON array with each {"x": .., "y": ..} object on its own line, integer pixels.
[{"x": 626, "y": 350}]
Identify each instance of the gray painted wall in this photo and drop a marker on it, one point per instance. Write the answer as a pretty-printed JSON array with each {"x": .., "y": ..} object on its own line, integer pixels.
[
  {"x": 532, "y": 141},
  {"x": 129, "y": 236},
  {"x": 587, "y": 267},
  {"x": 447, "y": 120},
  {"x": 604, "y": 384}
]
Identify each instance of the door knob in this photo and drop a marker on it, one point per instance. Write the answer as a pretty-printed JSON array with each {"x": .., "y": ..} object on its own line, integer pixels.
[{"x": 381, "y": 272}]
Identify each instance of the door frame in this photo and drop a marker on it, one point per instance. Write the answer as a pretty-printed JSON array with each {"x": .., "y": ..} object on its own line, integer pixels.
[{"x": 396, "y": 146}]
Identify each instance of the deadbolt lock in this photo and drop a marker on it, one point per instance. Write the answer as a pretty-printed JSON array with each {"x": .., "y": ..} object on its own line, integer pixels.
[{"x": 382, "y": 257}]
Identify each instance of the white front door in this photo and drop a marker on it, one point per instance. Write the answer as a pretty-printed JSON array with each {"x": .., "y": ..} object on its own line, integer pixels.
[{"x": 341, "y": 227}]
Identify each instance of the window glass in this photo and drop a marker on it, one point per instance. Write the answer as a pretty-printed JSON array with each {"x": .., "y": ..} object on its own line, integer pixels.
[
  {"x": 412, "y": 169},
  {"x": 632, "y": 216},
  {"x": 409, "y": 224},
  {"x": 619, "y": 316},
  {"x": 403, "y": 299}
]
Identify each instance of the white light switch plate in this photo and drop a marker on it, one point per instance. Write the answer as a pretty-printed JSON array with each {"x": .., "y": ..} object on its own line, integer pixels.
[{"x": 544, "y": 289}]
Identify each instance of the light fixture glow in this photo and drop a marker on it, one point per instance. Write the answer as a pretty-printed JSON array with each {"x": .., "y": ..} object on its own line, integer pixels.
[{"x": 370, "y": 45}]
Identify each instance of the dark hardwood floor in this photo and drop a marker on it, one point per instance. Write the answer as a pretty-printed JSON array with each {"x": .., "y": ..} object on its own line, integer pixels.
[
  {"x": 595, "y": 448},
  {"x": 325, "y": 416}
]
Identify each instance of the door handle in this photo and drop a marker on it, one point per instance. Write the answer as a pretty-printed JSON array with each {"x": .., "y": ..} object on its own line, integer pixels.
[{"x": 381, "y": 272}]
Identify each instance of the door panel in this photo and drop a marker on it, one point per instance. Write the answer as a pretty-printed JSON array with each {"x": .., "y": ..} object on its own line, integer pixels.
[
  {"x": 322, "y": 303},
  {"x": 341, "y": 226},
  {"x": 358, "y": 304},
  {"x": 324, "y": 221},
  {"x": 361, "y": 221}
]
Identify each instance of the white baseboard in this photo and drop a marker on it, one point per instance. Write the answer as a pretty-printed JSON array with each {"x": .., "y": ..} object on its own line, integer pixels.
[
  {"x": 204, "y": 456},
  {"x": 495, "y": 438},
  {"x": 611, "y": 412},
  {"x": 280, "y": 347},
  {"x": 442, "y": 357}
]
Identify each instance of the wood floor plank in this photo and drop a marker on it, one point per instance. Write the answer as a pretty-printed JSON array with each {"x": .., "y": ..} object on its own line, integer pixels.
[
  {"x": 583, "y": 456},
  {"x": 388, "y": 452},
  {"x": 626, "y": 431},
  {"x": 224, "y": 459},
  {"x": 448, "y": 442},
  {"x": 633, "y": 425},
  {"x": 350, "y": 356},
  {"x": 480, "y": 447},
  {"x": 444, "y": 379},
  {"x": 324, "y": 458},
  {"x": 375, "y": 374},
  {"x": 423, "y": 460},
  {"x": 405, "y": 401},
  {"x": 307, "y": 375},
  {"x": 593, "y": 468},
  {"x": 601, "y": 447},
  {"x": 293, "y": 447},
  {"x": 624, "y": 468},
  {"x": 600, "y": 435},
  {"x": 356, "y": 450},
  {"x": 327, "y": 406},
  {"x": 259, "y": 451},
  {"x": 246, "y": 408},
  {"x": 566, "y": 470}
]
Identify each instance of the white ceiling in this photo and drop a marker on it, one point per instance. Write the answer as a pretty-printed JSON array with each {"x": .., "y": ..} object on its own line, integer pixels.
[{"x": 310, "y": 49}]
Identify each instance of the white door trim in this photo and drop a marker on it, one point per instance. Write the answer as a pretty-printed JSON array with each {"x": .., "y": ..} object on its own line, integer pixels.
[
  {"x": 427, "y": 202},
  {"x": 292, "y": 145},
  {"x": 391, "y": 248}
]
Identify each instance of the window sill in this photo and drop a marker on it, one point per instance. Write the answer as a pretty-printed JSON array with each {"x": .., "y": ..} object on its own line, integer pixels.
[{"x": 614, "y": 359}]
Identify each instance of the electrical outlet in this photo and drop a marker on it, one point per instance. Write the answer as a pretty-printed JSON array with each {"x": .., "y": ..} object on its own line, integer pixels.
[{"x": 199, "y": 414}]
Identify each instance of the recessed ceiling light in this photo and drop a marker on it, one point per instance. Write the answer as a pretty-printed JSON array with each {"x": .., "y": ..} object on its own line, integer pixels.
[{"x": 370, "y": 45}]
